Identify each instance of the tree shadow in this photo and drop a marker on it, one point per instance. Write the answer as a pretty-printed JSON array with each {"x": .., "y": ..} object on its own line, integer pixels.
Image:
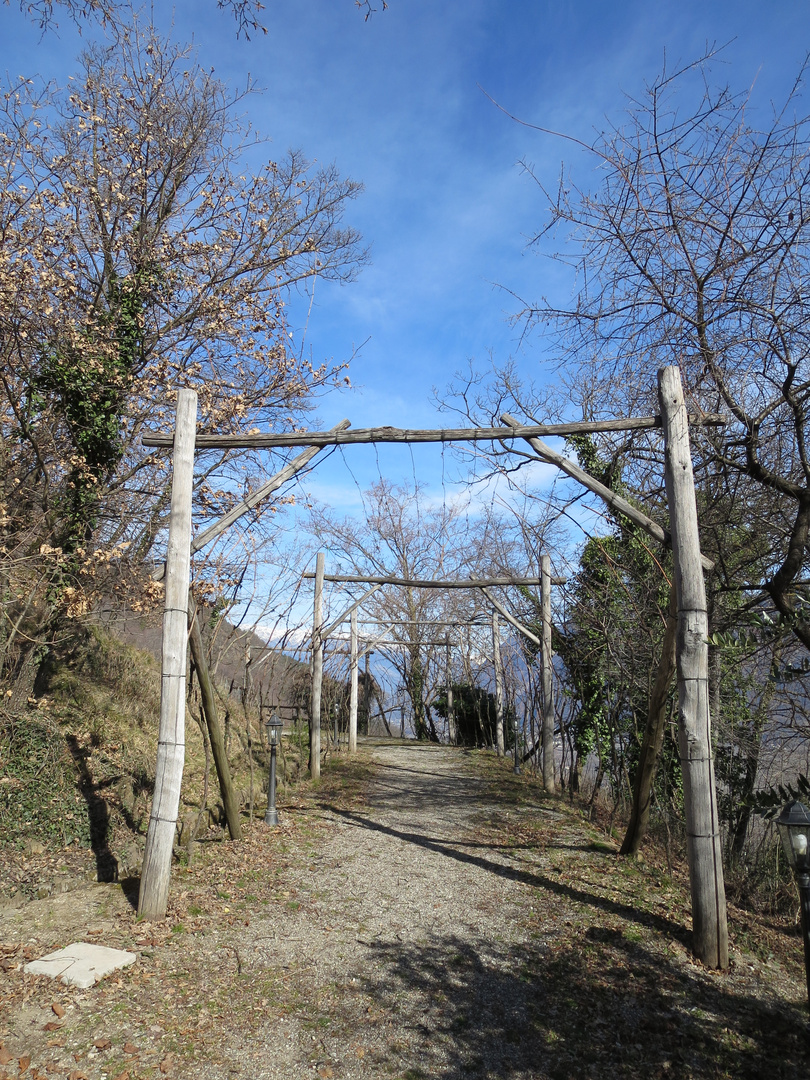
[
  {"x": 98, "y": 812},
  {"x": 131, "y": 888},
  {"x": 599, "y": 1008},
  {"x": 537, "y": 880}
]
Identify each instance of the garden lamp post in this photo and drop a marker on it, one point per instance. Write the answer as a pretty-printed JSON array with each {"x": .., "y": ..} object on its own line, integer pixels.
[
  {"x": 517, "y": 763},
  {"x": 794, "y": 828},
  {"x": 274, "y": 726},
  {"x": 336, "y": 711}
]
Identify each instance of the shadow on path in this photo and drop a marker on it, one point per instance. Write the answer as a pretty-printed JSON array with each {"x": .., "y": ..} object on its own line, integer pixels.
[
  {"x": 604, "y": 1008},
  {"x": 525, "y": 877}
]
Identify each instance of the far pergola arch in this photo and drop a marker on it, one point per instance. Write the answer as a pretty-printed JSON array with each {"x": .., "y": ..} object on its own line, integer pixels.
[
  {"x": 694, "y": 729},
  {"x": 321, "y": 633}
]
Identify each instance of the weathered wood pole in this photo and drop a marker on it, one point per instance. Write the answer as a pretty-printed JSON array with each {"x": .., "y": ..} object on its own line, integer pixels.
[
  {"x": 451, "y": 715},
  {"x": 548, "y": 677},
  {"x": 496, "y": 659},
  {"x": 209, "y": 707},
  {"x": 353, "y": 694},
  {"x": 157, "y": 859},
  {"x": 709, "y": 926},
  {"x": 317, "y": 673},
  {"x": 511, "y": 618},
  {"x": 653, "y": 736}
]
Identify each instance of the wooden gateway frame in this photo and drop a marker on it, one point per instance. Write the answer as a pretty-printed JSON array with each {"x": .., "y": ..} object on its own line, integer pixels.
[
  {"x": 710, "y": 934},
  {"x": 320, "y": 634}
]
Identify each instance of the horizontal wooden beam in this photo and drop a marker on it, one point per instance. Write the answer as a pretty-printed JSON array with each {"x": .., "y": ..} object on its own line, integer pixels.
[
  {"x": 472, "y": 583},
  {"x": 404, "y": 644},
  {"x": 421, "y": 622},
  {"x": 274, "y": 440}
]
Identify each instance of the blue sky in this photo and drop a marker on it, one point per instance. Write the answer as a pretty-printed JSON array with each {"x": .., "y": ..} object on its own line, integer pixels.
[{"x": 398, "y": 103}]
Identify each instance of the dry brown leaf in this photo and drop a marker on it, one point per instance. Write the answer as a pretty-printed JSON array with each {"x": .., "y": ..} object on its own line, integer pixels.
[
  {"x": 58, "y": 1009},
  {"x": 122, "y": 1076},
  {"x": 326, "y": 1072},
  {"x": 166, "y": 1064},
  {"x": 52, "y": 1026},
  {"x": 24, "y": 1062},
  {"x": 130, "y": 1049},
  {"x": 102, "y": 1044},
  {"x": 5, "y": 1057},
  {"x": 77, "y": 1075}
]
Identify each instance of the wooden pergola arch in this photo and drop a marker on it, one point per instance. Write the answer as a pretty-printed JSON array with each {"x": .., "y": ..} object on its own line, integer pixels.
[
  {"x": 710, "y": 934},
  {"x": 321, "y": 633}
]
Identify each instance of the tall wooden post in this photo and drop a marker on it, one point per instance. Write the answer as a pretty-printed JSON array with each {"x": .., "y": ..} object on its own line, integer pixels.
[
  {"x": 548, "y": 677},
  {"x": 451, "y": 715},
  {"x": 317, "y": 673},
  {"x": 157, "y": 859},
  {"x": 709, "y": 927},
  {"x": 353, "y": 695},
  {"x": 496, "y": 657}
]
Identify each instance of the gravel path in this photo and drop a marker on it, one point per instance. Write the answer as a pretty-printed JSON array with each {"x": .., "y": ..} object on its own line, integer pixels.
[{"x": 416, "y": 938}]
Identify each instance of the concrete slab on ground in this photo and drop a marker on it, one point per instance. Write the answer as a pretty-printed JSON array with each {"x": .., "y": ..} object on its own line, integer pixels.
[{"x": 81, "y": 964}]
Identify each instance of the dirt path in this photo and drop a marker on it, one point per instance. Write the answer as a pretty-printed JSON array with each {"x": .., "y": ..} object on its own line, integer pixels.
[
  {"x": 417, "y": 934},
  {"x": 445, "y": 920}
]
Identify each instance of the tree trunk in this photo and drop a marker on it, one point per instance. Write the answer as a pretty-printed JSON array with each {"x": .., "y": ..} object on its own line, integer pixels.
[
  {"x": 709, "y": 925},
  {"x": 496, "y": 659},
  {"x": 209, "y": 708},
  {"x": 157, "y": 859},
  {"x": 317, "y": 672},
  {"x": 653, "y": 735}
]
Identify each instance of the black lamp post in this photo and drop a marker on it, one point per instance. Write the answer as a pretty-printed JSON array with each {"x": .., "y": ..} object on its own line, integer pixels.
[
  {"x": 794, "y": 828},
  {"x": 517, "y": 763},
  {"x": 274, "y": 726}
]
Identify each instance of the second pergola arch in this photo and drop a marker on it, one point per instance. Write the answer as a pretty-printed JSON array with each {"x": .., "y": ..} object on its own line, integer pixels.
[{"x": 320, "y": 633}]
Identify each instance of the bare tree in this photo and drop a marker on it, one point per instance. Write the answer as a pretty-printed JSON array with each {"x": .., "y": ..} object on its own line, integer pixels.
[{"x": 694, "y": 251}]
